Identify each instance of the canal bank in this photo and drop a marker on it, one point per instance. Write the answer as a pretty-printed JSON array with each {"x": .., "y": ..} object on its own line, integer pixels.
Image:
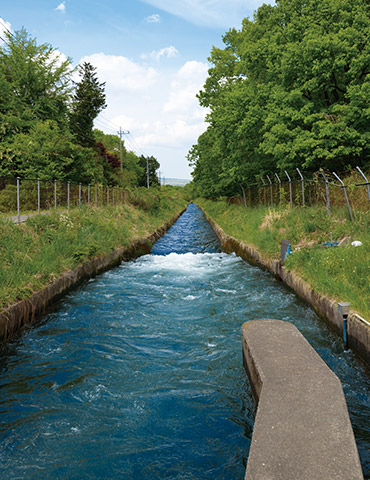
[
  {"x": 358, "y": 329},
  {"x": 28, "y": 310}
]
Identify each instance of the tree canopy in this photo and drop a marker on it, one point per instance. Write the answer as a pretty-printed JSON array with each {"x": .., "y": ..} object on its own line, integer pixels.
[
  {"x": 290, "y": 89},
  {"x": 46, "y": 120},
  {"x": 88, "y": 101}
]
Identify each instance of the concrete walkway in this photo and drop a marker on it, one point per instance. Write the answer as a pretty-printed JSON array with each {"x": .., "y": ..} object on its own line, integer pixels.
[{"x": 302, "y": 429}]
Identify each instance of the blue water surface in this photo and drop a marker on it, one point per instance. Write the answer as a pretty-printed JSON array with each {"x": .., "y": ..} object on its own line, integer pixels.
[{"x": 138, "y": 374}]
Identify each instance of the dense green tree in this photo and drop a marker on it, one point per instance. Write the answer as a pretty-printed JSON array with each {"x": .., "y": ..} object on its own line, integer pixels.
[
  {"x": 34, "y": 88},
  {"x": 290, "y": 89},
  {"x": 46, "y": 121},
  {"x": 87, "y": 102},
  {"x": 148, "y": 168},
  {"x": 111, "y": 142}
]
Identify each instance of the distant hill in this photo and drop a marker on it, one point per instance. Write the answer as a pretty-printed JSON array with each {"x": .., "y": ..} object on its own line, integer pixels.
[{"x": 177, "y": 182}]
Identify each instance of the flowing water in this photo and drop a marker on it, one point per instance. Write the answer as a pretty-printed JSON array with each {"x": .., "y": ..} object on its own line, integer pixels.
[{"x": 138, "y": 374}]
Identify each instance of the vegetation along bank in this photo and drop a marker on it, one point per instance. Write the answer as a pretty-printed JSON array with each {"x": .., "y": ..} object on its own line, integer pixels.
[
  {"x": 47, "y": 248},
  {"x": 340, "y": 273}
]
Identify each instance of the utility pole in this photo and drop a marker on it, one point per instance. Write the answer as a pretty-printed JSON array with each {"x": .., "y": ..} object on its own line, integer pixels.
[
  {"x": 120, "y": 133},
  {"x": 147, "y": 171}
]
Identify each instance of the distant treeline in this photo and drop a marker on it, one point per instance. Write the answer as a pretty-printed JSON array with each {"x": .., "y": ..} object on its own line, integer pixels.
[
  {"x": 46, "y": 120},
  {"x": 290, "y": 89}
]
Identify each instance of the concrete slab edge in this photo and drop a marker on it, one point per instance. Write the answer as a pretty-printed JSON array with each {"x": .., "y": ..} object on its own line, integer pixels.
[
  {"x": 302, "y": 428},
  {"x": 28, "y": 310},
  {"x": 327, "y": 308}
]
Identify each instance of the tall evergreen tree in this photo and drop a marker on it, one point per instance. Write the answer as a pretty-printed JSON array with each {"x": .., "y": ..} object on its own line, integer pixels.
[{"x": 88, "y": 102}]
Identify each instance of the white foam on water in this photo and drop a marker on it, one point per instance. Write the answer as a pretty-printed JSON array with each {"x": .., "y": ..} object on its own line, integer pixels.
[{"x": 183, "y": 264}]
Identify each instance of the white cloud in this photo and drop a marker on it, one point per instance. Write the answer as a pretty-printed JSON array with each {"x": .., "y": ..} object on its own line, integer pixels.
[
  {"x": 121, "y": 73},
  {"x": 5, "y": 27},
  {"x": 187, "y": 83},
  {"x": 61, "y": 8},
  {"x": 155, "y": 18},
  {"x": 211, "y": 13},
  {"x": 158, "y": 108},
  {"x": 168, "y": 52}
]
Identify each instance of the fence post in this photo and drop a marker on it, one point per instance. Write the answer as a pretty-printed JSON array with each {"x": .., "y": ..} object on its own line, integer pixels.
[
  {"x": 38, "y": 197},
  {"x": 55, "y": 196},
  {"x": 96, "y": 194},
  {"x": 107, "y": 195},
  {"x": 88, "y": 194},
  {"x": 264, "y": 191},
  {"x": 327, "y": 193},
  {"x": 290, "y": 189},
  {"x": 68, "y": 194},
  {"x": 113, "y": 197},
  {"x": 302, "y": 180},
  {"x": 79, "y": 194},
  {"x": 367, "y": 183},
  {"x": 277, "y": 176},
  {"x": 345, "y": 196},
  {"x": 245, "y": 200},
  {"x": 270, "y": 189},
  {"x": 18, "y": 201}
]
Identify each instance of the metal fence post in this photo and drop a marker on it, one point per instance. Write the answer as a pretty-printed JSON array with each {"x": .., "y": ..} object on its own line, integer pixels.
[
  {"x": 38, "y": 196},
  {"x": 245, "y": 200},
  {"x": 302, "y": 180},
  {"x": 345, "y": 196},
  {"x": 88, "y": 194},
  {"x": 268, "y": 178},
  {"x": 290, "y": 189},
  {"x": 55, "y": 196},
  {"x": 264, "y": 191},
  {"x": 277, "y": 176},
  {"x": 327, "y": 193},
  {"x": 18, "y": 201},
  {"x": 79, "y": 194},
  {"x": 68, "y": 194},
  {"x": 367, "y": 183}
]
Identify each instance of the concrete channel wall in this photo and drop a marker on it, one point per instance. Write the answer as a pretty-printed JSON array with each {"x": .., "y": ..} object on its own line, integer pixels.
[
  {"x": 302, "y": 428},
  {"x": 27, "y": 311},
  {"x": 358, "y": 329}
]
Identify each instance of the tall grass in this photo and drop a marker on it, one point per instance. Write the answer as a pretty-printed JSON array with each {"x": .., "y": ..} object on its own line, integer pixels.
[
  {"x": 35, "y": 253},
  {"x": 341, "y": 272}
]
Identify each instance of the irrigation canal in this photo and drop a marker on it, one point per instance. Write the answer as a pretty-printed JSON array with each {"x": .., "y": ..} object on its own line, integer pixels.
[{"x": 138, "y": 374}]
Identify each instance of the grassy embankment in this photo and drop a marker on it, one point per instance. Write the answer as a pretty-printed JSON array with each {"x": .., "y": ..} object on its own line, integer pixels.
[
  {"x": 339, "y": 272},
  {"x": 35, "y": 253}
]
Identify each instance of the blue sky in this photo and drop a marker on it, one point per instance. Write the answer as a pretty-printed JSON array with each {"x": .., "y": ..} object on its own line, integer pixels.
[{"x": 152, "y": 55}]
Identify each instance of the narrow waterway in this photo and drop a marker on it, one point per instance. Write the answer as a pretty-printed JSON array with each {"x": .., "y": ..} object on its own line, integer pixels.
[{"x": 138, "y": 374}]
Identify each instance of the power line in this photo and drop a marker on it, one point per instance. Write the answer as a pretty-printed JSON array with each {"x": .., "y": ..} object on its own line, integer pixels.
[
  {"x": 6, "y": 28},
  {"x": 120, "y": 133},
  {"x": 109, "y": 121}
]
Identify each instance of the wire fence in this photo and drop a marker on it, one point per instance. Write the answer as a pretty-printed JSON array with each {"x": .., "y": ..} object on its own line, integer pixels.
[
  {"x": 26, "y": 196},
  {"x": 349, "y": 190}
]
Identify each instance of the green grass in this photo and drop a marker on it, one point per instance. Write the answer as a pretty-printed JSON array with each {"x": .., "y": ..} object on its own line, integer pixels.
[
  {"x": 340, "y": 272},
  {"x": 38, "y": 251}
]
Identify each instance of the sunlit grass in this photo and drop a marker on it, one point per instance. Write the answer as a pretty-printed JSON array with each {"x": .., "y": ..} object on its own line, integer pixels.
[
  {"x": 340, "y": 272},
  {"x": 38, "y": 251}
]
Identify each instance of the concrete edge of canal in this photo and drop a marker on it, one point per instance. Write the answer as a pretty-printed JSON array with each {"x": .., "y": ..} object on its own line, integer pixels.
[
  {"x": 358, "y": 329},
  {"x": 302, "y": 427},
  {"x": 28, "y": 310}
]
